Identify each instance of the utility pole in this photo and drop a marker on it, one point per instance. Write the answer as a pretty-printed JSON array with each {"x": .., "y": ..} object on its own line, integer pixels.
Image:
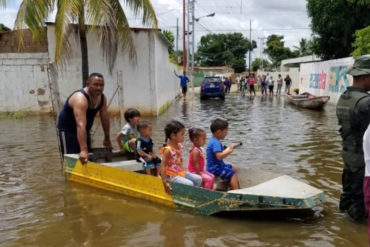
[
  {"x": 184, "y": 61},
  {"x": 191, "y": 40},
  {"x": 250, "y": 48}
]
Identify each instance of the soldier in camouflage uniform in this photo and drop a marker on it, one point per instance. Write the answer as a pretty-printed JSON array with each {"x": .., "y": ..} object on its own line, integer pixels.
[{"x": 353, "y": 112}]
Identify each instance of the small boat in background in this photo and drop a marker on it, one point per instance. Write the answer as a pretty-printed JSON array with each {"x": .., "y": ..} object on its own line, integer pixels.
[
  {"x": 260, "y": 190},
  {"x": 307, "y": 100}
]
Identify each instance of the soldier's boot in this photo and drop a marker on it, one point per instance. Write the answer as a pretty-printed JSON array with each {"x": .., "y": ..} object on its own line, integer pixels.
[
  {"x": 344, "y": 202},
  {"x": 356, "y": 212}
]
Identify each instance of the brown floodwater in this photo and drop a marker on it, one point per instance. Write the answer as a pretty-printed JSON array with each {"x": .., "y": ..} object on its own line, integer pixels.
[{"x": 38, "y": 207}]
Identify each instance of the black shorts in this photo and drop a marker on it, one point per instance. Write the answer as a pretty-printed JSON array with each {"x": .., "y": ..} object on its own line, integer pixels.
[
  {"x": 69, "y": 142},
  {"x": 149, "y": 163},
  {"x": 184, "y": 89}
]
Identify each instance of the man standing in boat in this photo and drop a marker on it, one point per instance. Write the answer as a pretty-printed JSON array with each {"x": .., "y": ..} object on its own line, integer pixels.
[
  {"x": 353, "y": 112},
  {"x": 77, "y": 117}
]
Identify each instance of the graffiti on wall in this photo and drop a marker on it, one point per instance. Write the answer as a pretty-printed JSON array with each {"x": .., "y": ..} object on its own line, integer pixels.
[
  {"x": 338, "y": 81},
  {"x": 318, "y": 80}
]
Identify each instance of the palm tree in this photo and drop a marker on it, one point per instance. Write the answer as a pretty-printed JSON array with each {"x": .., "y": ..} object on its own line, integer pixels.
[
  {"x": 105, "y": 16},
  {"x": 305, "y": 47}
]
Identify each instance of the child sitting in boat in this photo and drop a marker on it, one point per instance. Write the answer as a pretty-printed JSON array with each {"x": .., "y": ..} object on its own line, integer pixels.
[
  {"x": 173, "y": 168},
  {"x": 144, "y": 149},
  {"x": 216, "y": 153},
  {"x": 196, "y": 157},
  {"x": 126, "y": 138}
]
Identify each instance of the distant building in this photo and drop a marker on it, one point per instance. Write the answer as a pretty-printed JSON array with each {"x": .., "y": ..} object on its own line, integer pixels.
[
  {"x": 222, "y": 71},
  {"x": 296, "y": 62},
  {"x": 215, "y": 70}
]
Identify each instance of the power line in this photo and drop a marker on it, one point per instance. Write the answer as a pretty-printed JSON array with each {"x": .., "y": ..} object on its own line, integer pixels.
[
  {"x": 254, "y": 30},
  {"x": 206, "y": 29},
  {"x": 165, "y": 12}
]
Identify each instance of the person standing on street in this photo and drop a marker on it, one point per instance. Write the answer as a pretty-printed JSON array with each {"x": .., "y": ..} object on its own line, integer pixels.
[
  {"x": 227, "y": 84},
  {"x": 251, "y": 82},
  {"x": 238, "y": 81},
  {"x": 271, "y": 83},
  {"x": 279, "y": 84},
  {"x": 263, "y": 85},
  {"x": 353, "y": 112},
  {"x": 77, "y": 117},
  {"x": 288, "y": 84},
  {"x": 183, "y": 82}
]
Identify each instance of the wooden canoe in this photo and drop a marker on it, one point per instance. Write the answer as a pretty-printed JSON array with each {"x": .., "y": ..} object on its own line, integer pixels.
[
  {"x": 260, "y": 190},
  {"x": 309, "y": 101}
]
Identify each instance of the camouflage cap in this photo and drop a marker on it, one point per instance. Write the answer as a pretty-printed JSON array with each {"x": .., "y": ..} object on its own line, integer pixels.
[{"x": 361, "y": 66}]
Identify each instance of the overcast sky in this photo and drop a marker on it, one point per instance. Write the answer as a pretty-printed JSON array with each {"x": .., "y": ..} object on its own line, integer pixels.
[{"x": 283, "y": 17}]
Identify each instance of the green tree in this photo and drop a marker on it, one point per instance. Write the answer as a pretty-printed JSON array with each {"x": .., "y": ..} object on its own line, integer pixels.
[
  {"x": 305, "y": 47},
  {"x": 277, "y": 51},
  {"x": 224, "y": 49},
  {"x": 4, "y": 28},
  {"x": 105, "y": 16},
  {"x": 171, "y": 38},
  {"x": 362, "y": 42},
  {"x": 334, "y": 24},
  {"x": 172, "y": 54},
  {"x": 238, "y": 64},
  {"x": 361, "y": 2},
  {"x": 259, "y": 63}
]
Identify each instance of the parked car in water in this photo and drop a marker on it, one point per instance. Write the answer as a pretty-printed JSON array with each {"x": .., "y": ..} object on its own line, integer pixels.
[{"x": 211, "y": 87}]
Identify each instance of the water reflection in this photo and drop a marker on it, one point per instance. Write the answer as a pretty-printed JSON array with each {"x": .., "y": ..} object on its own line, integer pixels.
[
  {"x": 38, "y": 208},
  {"x": 184, "y": 109}
]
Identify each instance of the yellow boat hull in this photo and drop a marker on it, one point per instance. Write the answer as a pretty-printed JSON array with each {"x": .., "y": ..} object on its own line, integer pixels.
[{"x": 123, "y": 182}]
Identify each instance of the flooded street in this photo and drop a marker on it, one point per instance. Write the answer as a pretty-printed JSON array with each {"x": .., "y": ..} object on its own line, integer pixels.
[{"x": 38, "y": 207}]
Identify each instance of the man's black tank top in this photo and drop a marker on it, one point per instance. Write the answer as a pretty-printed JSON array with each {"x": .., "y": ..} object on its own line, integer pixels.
[{"x": 67, "y": 121}]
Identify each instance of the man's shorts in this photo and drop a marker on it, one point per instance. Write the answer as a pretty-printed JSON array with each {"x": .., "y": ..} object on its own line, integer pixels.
[
  {"x": 184, "y": 89},
  {"x": 69, "y": 142}
]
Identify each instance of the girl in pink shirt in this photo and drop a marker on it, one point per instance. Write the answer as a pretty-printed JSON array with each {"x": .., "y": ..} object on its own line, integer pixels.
[
  {"x": 196, "y": 157},
  {"x": 251, "y": 82}
]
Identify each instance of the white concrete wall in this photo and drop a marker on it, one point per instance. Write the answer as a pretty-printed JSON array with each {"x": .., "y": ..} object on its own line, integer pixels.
[
  {"x": 326, "y": 78},
  {"x": 146, "y": 85},
  {"x": 168, "y": 85},
  {"x": 24, "y": 82}
]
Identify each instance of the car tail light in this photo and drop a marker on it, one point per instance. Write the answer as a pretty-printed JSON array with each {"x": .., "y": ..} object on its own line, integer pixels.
[
  {"x": 222, "y": 85},
  {"x": 202, "y": 86}
]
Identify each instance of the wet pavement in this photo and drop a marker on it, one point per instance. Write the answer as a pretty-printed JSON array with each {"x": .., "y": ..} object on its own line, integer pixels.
[{"x": 38, "y": 207}]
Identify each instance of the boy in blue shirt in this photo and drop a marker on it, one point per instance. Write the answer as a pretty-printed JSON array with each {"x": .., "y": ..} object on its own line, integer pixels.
[
  {"x": 145, "y": 152},
  {"x": 216, "y": 153}
]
